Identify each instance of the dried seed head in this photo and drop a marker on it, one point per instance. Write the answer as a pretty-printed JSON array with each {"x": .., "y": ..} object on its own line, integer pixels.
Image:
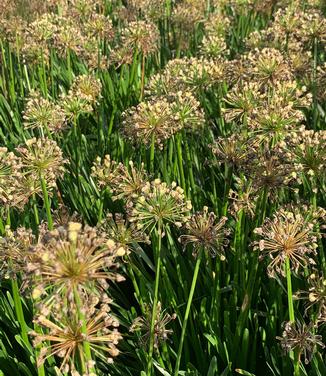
[
  {"x": 299, "y": 336},
  {"x": 204, "y": 231}
]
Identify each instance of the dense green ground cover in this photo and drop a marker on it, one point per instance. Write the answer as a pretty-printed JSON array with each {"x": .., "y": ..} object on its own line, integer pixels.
[{"x": 162, "y": 185}]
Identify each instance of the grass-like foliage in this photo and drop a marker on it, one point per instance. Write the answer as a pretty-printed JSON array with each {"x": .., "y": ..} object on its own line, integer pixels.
[{"x": 162, "y": 187}]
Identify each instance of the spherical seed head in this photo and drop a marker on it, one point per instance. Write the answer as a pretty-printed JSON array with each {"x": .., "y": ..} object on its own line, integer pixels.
[
  {"x": 159, "y": 205},
  {"x": 77, "y": 257},
  {"x": 299, "y": 336},
  {"x": 150, "y": 120},
  {"x": 43, "y": 114},
  {"x": 42, "y": 157},
  {"x": 289, "y": 234},
  {"x": 63, "y": 334},
  {"x": 143, "y": 324},
  {"x": 204, "y": 232}
]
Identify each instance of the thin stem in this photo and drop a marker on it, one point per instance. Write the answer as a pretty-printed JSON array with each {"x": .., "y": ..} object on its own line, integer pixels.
[
  {"x": 152, "y": 155},
  {"x": 86, "y": 345},
  {"x": 137, "y": 291},
  {"x": 157, "y": 281},
  {"x": 185, "y": 320},
  {"x": 142, "y": 78},
  {"x": 180, "y": 162},
  {"x": 47, "y": 203},
  {"x": 295, "y": 357}
]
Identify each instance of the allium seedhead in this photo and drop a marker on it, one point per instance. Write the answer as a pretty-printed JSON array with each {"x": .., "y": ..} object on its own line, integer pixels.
[
  {"x": 63, "y": 334},
  {"x": 241, "y": 101},
  {"x": 214, "y": 46},
  {"x": 87, "y": 87},
  {"x": 106, "y": 172},
  {"x": 232, "y": 150},
  {"x": 123, "y": 232},
  {"x": 187, "y": 112},
  {"x": 268, "y": 66},
  {"x": 129, "y": 182},
  {"x": 189, "y": 13},
  {"x": 244, "y": 199},
  {"x": 143, "y": 324},
  {"x": 10, "y": 169},
  {"x": 73, "y": 257},
  {"x": 42, "y": 157},
  {"x": 15, "y": 251},
  {"x": 150, "y": 120},
  {"x": 204, "y": 232},
  {"x": 299, "y": 336},
  {"x": 160, "y": 205},
  {"x": 41, "y": 113},
  {"x": 141, "y": 36},
  {"x": 289, "y": 234},
  {"x": 316, "y": 293}
]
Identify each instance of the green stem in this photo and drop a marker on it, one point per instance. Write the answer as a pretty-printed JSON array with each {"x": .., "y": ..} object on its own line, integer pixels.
[
  {"x": 137, "y": 291},
  {"x": 152, "y": 155},
  {"x": 157, "y": 281},
  {"x": 185, "y": 320},
  {"x": 295, "y": 357},
  {"x": 86, "y": 345},
  {"x": 47, "y": 203},
  {"x": 180, "y": 162}
]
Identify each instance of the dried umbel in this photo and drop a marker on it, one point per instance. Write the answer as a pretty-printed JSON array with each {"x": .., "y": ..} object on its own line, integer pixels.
[
  {"x": 187, "y": 112},
  {"x": 233, "y": 150},
  {"x": 160, "y": 205},
  {"x": 316, "y": 293},
  {"x": 187, "y": 74},
  {"x": 87, "y": 87},
  {"x": 213, "y": 46},
  {"x": 205, "y": 232},
  {"x": 188, "y": 13},
  {"x": 99, "y": 26},
  {"x": 64, "y": 336},
  {"x": 150, "y": 121},
  {"x": 244, "y": 199},
  {"x": 43, "y": 114},
  {"x": 287, "y": 235},
  {"x": 268, "y": 66},
  {"x": 15, "y": 251},
  {"x": 141, "y": 37},
  {"x": 241, "y": 101},
  {"x": 74, "y": 258},
  {"x": 299, "y": 336},
  {"x": 74, "y": 106},
  {"x": 122, "y": 232},
  {"x": 217, "y": 24},
  {"x": 306, "y": 150},
  {"x": 129, "y": 182},
  {"x": 106, "y": 172},
  {"x": 42, "y": 158},
  {"x": 143, "y": 324},
  {"x": 10, "y": 169},
  {"x": 151, "y": 9},
  {"x": 268, "y": 169}
]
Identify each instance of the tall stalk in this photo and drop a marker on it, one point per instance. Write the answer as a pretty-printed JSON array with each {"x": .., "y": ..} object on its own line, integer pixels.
[
  {"x": 185, "y": 319},
  {"x": 296, "y": 362},
  {"x": 155, "y": 300},
  {"x": 46, "y": 203}
]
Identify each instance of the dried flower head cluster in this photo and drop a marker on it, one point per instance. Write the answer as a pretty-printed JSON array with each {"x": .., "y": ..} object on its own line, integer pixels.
[
  {"x": 126, "y": 234},
  {"x": 66, "y": 337},
  {"x": 205, "y": 232},
  {"x": 288, "y": 235},
  {"x": 70, "y": 268},
  {"x": 73, "y": 258},
  {"x": 143, "y": 324},
  {"x": 21, "y": 170},
  {"x": 299, "y": 336},
  {"x": 160, "y": 205}
]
